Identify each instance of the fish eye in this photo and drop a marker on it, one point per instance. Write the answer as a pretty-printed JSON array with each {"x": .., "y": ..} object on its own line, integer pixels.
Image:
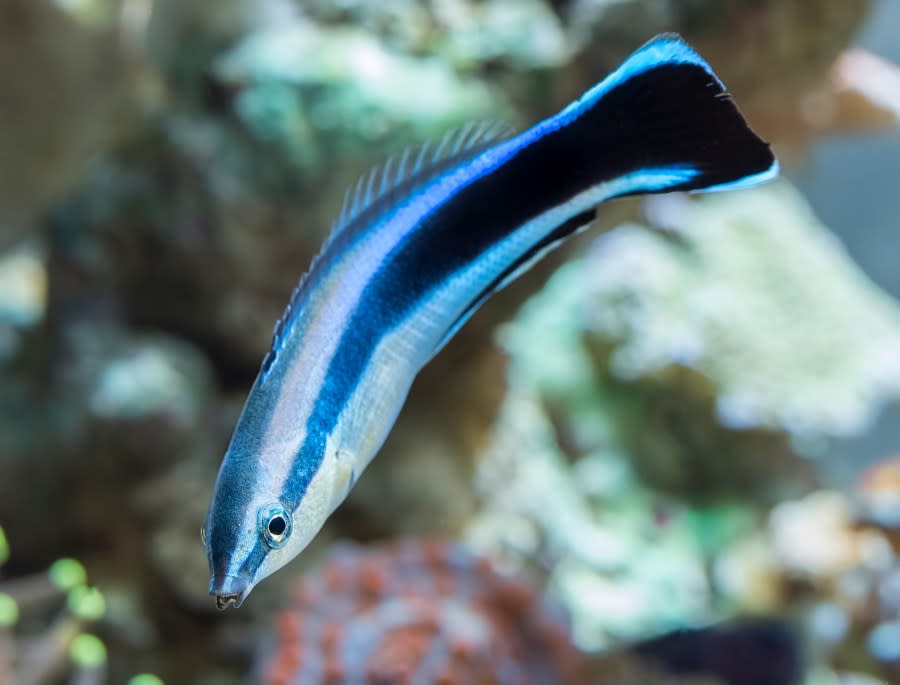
[{"x": 275, "y": 525}]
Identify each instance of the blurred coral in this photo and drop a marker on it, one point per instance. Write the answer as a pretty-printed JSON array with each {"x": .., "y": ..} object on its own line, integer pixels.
[
  {"x": 878, "y": 495},
  {"x": 411, "y": 612},
  {"x": 751, "y": 293},
  {"x": 664, "y": 391},
  {"x": 838, "y": 573},
  {"x": 864, "y": 92}
]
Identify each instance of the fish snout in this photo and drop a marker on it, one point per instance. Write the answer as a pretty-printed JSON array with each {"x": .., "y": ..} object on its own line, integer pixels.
[{"x": 229, "y": 590}]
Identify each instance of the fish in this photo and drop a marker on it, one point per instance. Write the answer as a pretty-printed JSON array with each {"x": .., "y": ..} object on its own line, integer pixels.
[{"x": 419, "y": 245}]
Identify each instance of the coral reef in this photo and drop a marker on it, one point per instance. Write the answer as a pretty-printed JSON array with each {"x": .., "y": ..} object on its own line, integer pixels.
[
  {"x": 111, "y": 394},
  {"x": 864, "y": 91},
  {"x": 878, "y": 494},
  {"x": 718, "y": 311},
  {"x": 839, "y": 570},
  {"x": 790, "y": 334},
  {"x": 429, "y": 611},
  {"x": 626, "y": 562},
  {"x": 417, "y": 612},
  {"x": 663, "y": 390}
]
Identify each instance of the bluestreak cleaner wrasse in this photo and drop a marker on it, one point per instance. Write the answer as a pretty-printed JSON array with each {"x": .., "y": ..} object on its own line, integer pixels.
[{"x": 420, "y": 244}]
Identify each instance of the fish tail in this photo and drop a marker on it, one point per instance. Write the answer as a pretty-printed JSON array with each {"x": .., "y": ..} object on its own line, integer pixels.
[{"x": 663, "y": 121}]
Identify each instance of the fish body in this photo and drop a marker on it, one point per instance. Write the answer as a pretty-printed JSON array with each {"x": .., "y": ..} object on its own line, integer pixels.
[{"x": 419, "y": 246}]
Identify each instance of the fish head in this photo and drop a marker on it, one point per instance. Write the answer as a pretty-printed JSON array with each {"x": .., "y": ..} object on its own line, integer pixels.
[{"x": 256, "y": 524}]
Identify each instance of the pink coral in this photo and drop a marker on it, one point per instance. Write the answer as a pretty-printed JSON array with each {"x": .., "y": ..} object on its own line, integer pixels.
[{"x": 418, "y": 612}]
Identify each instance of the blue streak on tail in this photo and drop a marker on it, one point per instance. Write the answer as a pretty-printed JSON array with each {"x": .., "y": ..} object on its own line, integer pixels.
[
  {"x": 659, "y": 179},
  {"x": 667, "y": 48},
  {"x": 750, "y": 181}
]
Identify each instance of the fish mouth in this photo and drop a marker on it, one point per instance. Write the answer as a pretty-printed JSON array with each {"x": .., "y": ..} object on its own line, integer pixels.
[
  {"x": 225, "y": 601},
  {"x": 229, "y": 590}
]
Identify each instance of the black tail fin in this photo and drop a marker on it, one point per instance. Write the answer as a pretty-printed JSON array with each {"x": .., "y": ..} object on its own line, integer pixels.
[{"x": 662, "y": 121}]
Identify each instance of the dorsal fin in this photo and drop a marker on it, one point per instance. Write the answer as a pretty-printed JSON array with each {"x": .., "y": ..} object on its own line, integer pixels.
[
  {"x": 386, "y": 183},
  {"x": 413, "y": 167}
]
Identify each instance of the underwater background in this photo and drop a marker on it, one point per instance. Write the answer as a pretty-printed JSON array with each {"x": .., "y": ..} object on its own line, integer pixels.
[{"x": 670, "y": 454}]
